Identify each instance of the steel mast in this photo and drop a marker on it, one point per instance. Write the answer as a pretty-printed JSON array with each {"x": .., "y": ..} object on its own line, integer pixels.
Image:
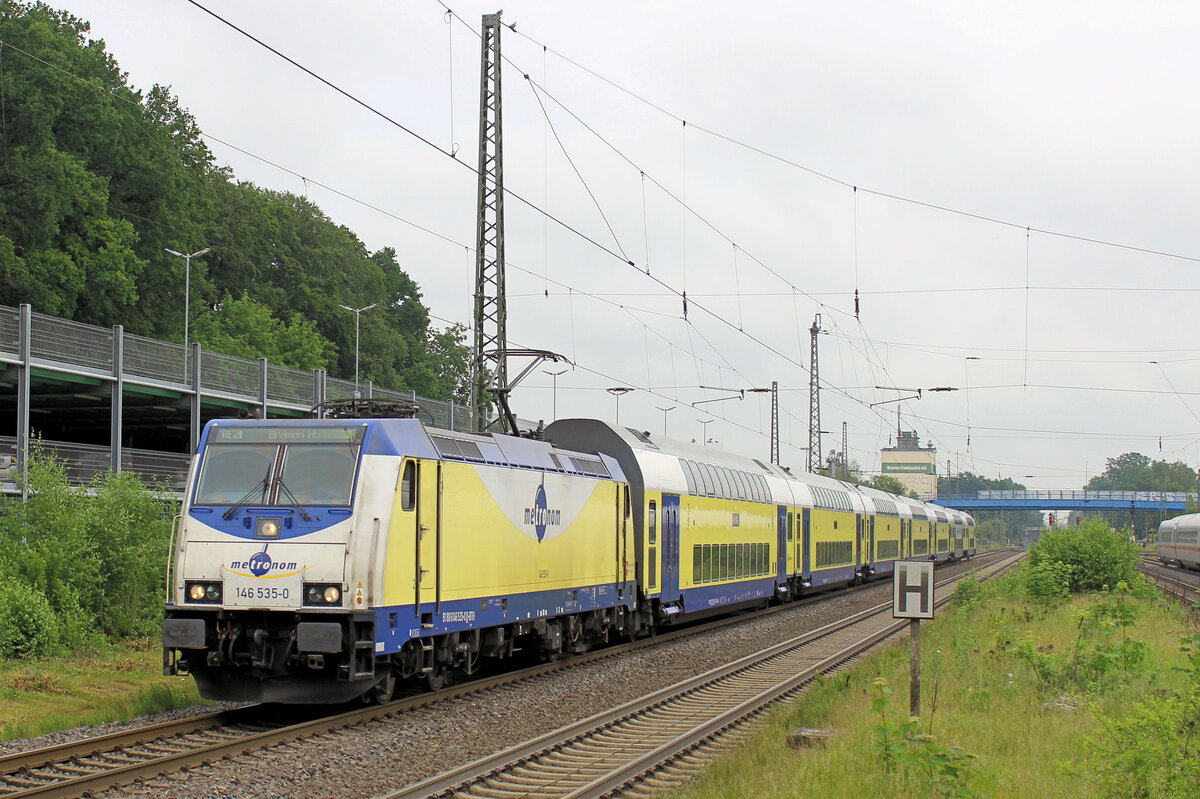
[
  {"x": 814, "y": 403},
  {"x": 490, "y": 320}
]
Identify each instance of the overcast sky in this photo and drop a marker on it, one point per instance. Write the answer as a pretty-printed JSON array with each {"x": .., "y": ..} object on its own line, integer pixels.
[{"x": 1024, "y": 227}]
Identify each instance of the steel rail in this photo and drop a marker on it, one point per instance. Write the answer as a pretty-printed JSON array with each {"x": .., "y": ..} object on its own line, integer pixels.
[
  {"x": 56, "y": 769},
  {"x": 639, "y": 753}
]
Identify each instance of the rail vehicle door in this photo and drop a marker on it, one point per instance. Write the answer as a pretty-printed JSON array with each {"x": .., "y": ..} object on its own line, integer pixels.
[
  {"x": 428, "y": 539},
  {"x": 670, "y": 547},
  {"x": 870, "y": 532},
  {"x": 784, "y": 534},
  {"x": 858, "y": 540},
  {"x": 787, "y": 552},
  {"x": 805, "y": 543}
]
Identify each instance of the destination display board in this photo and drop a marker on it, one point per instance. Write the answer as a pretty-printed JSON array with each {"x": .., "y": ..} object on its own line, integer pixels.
[{"x": 291, "y": 434}]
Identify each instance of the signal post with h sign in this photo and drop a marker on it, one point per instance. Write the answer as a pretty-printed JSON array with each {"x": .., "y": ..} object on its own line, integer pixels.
[{"x": 912, "y": 598}]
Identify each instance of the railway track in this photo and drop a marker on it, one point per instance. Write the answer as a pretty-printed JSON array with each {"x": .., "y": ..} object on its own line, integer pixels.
[
  {"x": 95, "y": 764},
  {"x": 662, "y": 739},
  {"x": 1183, "y": 585}
]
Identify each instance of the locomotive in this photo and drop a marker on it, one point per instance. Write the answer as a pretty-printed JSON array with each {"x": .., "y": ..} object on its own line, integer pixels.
[{"x": 323, "y": 560}]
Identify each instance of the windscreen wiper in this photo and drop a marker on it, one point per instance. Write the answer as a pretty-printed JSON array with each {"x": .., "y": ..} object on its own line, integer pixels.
[
  {"x": 234, "y": 508},
  {"x": 295, "y": 502}
]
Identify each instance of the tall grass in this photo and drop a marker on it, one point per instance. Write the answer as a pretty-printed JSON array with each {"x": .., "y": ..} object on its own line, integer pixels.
[
  {"x": 114, "y": 683},
  {"x": 1010, "y": 691}
]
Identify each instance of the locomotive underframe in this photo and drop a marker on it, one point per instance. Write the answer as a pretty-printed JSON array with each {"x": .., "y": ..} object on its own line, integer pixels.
[
  {"x": 291, "y": 657},
  {"x": 272, "y": 656}
]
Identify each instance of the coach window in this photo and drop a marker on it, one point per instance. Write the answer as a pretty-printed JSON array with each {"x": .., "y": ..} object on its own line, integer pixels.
[
  {"x": 652, "y": 525},
  {"x": 690, "y": 475},
  {"x": 723, "y": 483},
  {"x": 408, "y": 485}
]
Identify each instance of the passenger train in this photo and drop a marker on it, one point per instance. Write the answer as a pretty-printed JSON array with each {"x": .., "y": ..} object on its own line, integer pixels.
[
  {"x": 323, "y": 560},
  {"x": 1179, "y": 541}
]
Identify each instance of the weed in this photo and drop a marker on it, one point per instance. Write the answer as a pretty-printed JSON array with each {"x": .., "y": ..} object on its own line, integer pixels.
[{"x": 918, "y": 758}]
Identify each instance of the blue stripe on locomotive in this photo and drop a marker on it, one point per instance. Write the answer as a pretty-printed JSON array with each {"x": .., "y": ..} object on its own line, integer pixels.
[{"x": 398, "y": 624}]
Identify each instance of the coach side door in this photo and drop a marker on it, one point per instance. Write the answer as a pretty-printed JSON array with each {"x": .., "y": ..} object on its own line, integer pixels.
[
  {"x": 784, "y": 535},
  {"x": 670, "y": 548},
  {"x": 806, "y": 544}
]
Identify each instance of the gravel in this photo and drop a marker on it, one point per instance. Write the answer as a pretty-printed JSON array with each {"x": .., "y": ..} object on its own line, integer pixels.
[{"x": 381, "y": 756}]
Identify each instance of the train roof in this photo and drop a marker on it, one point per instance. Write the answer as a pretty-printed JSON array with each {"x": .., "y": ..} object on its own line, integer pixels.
[
  {"x": 1186, "y": 522},
  {"x": 399, "y": 437}
]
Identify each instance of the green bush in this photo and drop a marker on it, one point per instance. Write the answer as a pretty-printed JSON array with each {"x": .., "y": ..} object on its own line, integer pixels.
[
  {"x": 28, "y": 627},
  {"x": 1099, "y": 557},
  {"x": 1151, "y": 750},
  {"x": 97, "y": 555},
  {"x": 1048, "y": 583}
]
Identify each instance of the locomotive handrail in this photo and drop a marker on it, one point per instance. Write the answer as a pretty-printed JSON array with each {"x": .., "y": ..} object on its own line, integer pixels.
[{"x": 175, "y": 524}]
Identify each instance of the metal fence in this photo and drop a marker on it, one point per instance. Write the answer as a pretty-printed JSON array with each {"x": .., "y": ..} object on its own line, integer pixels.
[
  {"x": 1080, "y": 495},
  {"x": 166, "y": 471},
  {"x": 88, "y": 349}
]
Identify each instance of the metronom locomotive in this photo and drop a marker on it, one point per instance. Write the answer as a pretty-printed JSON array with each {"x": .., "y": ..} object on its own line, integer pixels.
[{"x": 323, "y": 560}]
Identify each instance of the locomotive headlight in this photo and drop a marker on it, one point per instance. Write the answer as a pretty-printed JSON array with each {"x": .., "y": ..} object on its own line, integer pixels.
[
  {"x": 267, "y": 527},
  {"x": 205, "y": 591},
  {"x": 322, "y": 594}
]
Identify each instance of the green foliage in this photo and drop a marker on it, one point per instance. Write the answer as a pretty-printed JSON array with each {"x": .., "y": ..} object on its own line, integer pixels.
[
  {"x": 1134, "y": 471},
  {"x": 100, "y": 179},
  {"x": 246, "y": 328},
  {"x": 1152, "y": 751},
  {"x": 917, "y": 758},
  {"x": 1102, "y": 655},
  {"x": 885, "y": 482},
  {"x": 28, "y": 627},
  {"x": 97, "y": 560},
  {"x": 1048, "y": 583},
  {"x": 970, "y": 483},
  {"x": 1098, "y": 556}
]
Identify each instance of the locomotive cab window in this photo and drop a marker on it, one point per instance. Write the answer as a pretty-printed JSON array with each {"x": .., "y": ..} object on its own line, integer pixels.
[
  {"x": 285, "y": 465},
  {"x": 408, "y": 486},
  {"x": 652, "y": 523}
]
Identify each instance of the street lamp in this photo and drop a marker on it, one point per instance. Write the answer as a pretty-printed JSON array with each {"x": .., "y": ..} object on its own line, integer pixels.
[
  {"x": 704, "y": 423},
  {"x": 617, "y": 391},
  {"x": 357, "y": 313},
  {"x": 187, "y": 289},
  {"x": 554, "y": 375},
  {"x": 665, "y": 412}
]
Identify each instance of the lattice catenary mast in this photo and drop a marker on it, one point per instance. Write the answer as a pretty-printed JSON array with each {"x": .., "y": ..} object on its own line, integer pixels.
[
  {"x": 814, "y": 403},
  {"x": 491, "y": 339}
]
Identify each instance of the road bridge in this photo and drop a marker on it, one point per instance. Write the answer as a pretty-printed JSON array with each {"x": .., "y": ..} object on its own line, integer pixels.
[{"x": 1071, "y": 500}]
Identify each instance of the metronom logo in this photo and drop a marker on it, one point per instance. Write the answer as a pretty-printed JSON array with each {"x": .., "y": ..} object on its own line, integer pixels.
[{"x": 540, "y": 516}]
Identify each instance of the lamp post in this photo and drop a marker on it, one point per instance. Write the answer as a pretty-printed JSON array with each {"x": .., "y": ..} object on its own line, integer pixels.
[
  {"x": 665, "y": 412},
  {"x": 704, "y": 423},
  {"x": 187, "y": 290},
  {"x": 617, "y": 391},
  {"x": 554, "y": 407},
  {"x": 357, "y": 314}
]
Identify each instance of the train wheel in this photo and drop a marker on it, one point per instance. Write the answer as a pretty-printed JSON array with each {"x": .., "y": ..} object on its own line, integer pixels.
[{"x": 435, "y": 679}]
